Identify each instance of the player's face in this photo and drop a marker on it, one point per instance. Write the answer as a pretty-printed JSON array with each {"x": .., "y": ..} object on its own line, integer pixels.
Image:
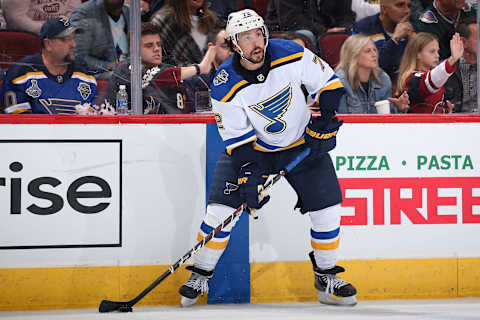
[
  {"x": 428, "y": 58},
  {"x": 64, "y": 48},
  {"x": 222, "y": 50},
  {"x": 368, "y": 56},
  {"x": 252, "y": 44},
  {"x": 396, "y": 10},
  {"x": 151, "y": 50}
]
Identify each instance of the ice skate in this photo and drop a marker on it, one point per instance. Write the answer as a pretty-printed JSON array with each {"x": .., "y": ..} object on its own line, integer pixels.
[
  {"x": 331, "y": 289},
  {"x": 196, "y": 285}
]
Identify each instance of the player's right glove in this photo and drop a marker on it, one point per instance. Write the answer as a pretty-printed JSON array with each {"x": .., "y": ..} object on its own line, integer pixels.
[
  {"x": 251, "y": 181},
  {"x": 321, "y": 132}
]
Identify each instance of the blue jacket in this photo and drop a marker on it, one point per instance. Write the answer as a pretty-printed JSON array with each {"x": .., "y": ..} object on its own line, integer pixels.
[
  {"x": 389, "y": 52},
  {"x": 361, "y": 101}
]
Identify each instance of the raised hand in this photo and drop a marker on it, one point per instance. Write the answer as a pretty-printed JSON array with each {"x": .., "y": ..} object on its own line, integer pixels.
[
  {"x": 456, "y": 48},
  {"x": 403, "y": 29},
  {"x": 206, "y": 63}
]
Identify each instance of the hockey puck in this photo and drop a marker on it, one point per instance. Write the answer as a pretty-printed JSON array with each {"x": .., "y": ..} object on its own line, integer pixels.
[{"x": 125, "y": 309}]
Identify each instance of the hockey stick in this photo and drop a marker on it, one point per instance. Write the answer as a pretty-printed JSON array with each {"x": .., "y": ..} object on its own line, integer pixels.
[{"x": 108, "y": 306}]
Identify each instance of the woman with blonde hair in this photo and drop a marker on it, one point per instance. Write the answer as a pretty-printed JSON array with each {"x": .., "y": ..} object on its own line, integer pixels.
[
  {"x": 365, "y": 83},
  {"x": 423, "y": 77},
  {"x": 183, "y": 27}
]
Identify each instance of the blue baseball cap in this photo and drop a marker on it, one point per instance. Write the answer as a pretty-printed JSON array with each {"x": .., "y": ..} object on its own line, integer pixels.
[{"x": 55, "y": 28}]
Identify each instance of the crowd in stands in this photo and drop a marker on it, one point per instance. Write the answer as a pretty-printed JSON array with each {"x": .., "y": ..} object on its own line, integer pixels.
[{"x": 420, "y": 55}]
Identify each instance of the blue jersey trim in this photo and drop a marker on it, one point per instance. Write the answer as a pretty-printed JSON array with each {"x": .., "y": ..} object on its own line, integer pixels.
[
  {"x": 207, "y": 229},
  {"x": 325, "y": 235},
  {"x": 246, "y": 136}
]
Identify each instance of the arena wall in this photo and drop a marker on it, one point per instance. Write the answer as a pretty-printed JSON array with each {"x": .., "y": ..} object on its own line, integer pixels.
[{"x": 99, "y": 207}]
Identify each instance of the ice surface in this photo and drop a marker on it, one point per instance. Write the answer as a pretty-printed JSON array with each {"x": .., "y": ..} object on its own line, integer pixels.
[{"x": 439, "y": 309}]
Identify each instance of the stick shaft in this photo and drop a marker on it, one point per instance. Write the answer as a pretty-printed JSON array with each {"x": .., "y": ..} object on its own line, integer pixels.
[{"x": 202, "y": 243}]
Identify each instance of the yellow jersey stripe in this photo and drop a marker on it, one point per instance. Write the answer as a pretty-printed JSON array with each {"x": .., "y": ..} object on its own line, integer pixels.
[
  {"x": 83, "y": 76},
  {"x": 287, "y": 58},
  {"x": 212, "y": 244},
  {"x": 232, "y": 91},
  {"x": 240, "y": 143},
  {"x": 332, "y": 86},
  {"x": 25, "y": 77},
  {"x": 293, "y": 145},
  {"x": 325, "y": 246}
]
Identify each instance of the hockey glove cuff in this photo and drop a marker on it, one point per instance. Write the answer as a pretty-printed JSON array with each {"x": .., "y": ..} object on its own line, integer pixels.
[
  {"x": 251, "y": 181},
  {"x": 321, "y": 134}
]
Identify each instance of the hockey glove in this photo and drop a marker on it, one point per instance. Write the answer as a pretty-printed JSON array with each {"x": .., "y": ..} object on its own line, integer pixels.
[
  {"x": 321, "y": 133},
  {"x": 251, "y": 181}
]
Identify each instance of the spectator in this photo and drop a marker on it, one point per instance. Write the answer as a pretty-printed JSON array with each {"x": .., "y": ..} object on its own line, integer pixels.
[
  {"x": 295, "y": 37},
  {"x": 160, "y": 81},
  {"x": 461, "y": 87},
  {"x": 184, "y": 26},
  {"x": 3, "y": 23},
  {"x": 223, "y": 8},
  {"x": 418, "y": 7},
  {"x": 50, "y": 82},
  {"x": 155, "y": 5},
  {"x": 144, "y": 9},
  {"x": 365, "y": 8},
  {"x": 441, "y": 18},
  {"x": 198, "y": 88},
  {"x": 102, "y": 28},
  {"x": 309, "y": 18},
  {"x": 365, "y": 83},
  {"x": 421, "y": 75},
  {"x": 29, "y": 15},
  {"x": 389, "y": 30}
]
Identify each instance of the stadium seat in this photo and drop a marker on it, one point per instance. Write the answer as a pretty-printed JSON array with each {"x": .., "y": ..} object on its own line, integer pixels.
[
  {"x": 329, "y": 45},
  {"x": 15, "y": 45}
]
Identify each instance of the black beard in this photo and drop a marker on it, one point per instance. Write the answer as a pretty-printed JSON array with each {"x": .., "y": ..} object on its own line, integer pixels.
[{"x": 113, "y": 6}]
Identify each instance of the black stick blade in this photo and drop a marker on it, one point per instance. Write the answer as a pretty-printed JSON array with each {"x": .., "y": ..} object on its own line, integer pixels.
[{"x": 109, "y": 306}]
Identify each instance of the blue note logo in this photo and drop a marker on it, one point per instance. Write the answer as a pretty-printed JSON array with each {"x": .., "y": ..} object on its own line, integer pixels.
[{"x": 273, "y": 109}]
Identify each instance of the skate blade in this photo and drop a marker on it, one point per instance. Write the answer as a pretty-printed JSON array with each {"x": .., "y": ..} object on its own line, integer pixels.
[
  {"x": 333, "y": 300},
  {"x": 187, "y": 302}
]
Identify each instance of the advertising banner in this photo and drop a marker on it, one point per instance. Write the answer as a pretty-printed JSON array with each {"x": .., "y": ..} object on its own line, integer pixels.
[{"x": 60, "y": 193}]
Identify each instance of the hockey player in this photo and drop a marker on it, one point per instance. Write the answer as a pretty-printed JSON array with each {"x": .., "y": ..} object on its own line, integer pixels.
[
  {"x": 50, "y": 82},
  {"x": 263, "y": 119}
]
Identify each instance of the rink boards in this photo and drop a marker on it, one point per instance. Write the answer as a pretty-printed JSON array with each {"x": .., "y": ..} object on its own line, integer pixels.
[{"x": 95, "y": 208}]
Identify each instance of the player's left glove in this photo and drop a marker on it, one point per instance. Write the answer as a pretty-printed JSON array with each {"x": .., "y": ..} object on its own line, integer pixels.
[
  {"x": 251, "y": 181},
  {"x": 321, "y": 132}
]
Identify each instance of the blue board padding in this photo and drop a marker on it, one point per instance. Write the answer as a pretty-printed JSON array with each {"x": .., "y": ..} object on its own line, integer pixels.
[{"x": 231, "y": 279}]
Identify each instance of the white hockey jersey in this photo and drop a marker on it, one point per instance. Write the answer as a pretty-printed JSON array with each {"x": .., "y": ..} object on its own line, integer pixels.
[{"x": 271, "y": 111}]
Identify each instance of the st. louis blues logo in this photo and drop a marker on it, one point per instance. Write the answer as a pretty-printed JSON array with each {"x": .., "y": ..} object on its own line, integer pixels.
[
  {"x": 273, "y": 109},
  {"x": 229, "y": 188}
]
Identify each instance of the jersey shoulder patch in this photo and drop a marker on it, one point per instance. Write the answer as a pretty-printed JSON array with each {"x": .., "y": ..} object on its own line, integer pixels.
[
  {"x": 226, "y": 82},
  {"x": 428, "y": 17}
]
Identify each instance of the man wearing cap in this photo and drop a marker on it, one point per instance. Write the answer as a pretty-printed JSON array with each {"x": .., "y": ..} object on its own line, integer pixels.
[{"x": 50, "y": 82}]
